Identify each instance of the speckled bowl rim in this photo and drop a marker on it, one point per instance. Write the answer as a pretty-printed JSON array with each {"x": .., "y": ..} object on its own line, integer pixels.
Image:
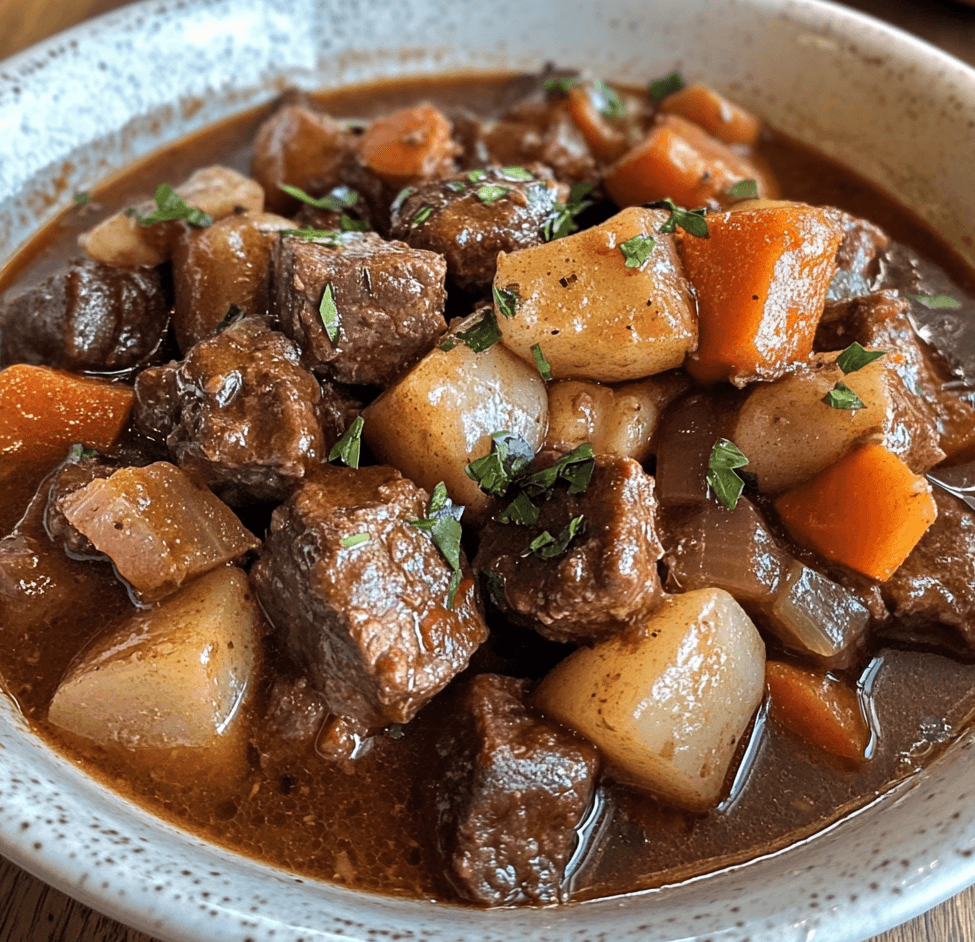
[{"x": 70, "y": 113}]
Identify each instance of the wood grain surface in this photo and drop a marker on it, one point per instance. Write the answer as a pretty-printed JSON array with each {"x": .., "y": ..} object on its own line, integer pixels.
[{"x": 31, "y": 911}]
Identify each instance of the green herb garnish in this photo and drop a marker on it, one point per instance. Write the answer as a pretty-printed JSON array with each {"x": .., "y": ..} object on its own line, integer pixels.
[
  {"x": 443, "y": 524},
  {"x": 330, "y": 238},
  {"x": 854, "y": 357},
  {"x": 937, "y": 302},
  {"x": 458, "y": 186},
  {"x": 508, "y": 458},
  {"x": 546, "y": 546},
  {"x": 491, "y": 194},
  {"x": 662, "y": 87},
  {"x": 690, "y": 220},
  {"x": 78, "y": 451},
  {"x": 520, "y": 511},
  {"x": 743, "y": 190},
  {"x": 495, "y": 586},
  {"x": 608, "y": 102},
  {"x": 842, "y": 397},
  {"x": 506, "y": 300},
  {"x": 348, "y": 224},
  {"x": 637, "y": 250},
  {"x": 544, "y": 370},
  {"x": 576, "y": 468},
  {"x": 422, "y": 215},
  {"x": 342, "y": 197},
  {"x": 562, "y": 222},
  {"x": 562, "y": 85},
  {"x": 401, "y": 198},
  {"x": 480, "y": 336},
  {"x": 348, "y": 447},
  {"x": 516, "y": 173},
  {"x": 170, "y": 208},
  {"x": 356, "y": 540},
  {"x": 82, "y": 198},
  {"x": 726, "y": 456},
  {"x": 476, "y": 176},
  {"x": 329, "y": 313}
]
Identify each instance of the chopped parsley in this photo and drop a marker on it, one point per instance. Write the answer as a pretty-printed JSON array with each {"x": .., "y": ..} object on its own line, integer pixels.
[
  {"x": 608, "y": 102},
  {"x": 348, "y": 447},
  {"x": 726, "y": 456},
  {"x": 520, "y": 511},
  {"x": 491, "y": 194},
  {"x": 495, "y": 586},
  {"x": 506, "y": 300},
  {"x": 476, "y": 176},
  {"x": 443, "y": 524},
  {"x": 401, "y": 198},
  {"x": 342, "y": 197},
  {"x": 357, "y": 540},
  {"x": 575, "y": 468},
  {"x": 516, "y": 173},
  {"x": 480, "y": 336},
  {"x": 743, "y": 190},
  {"x": 691, "y": 221},
  {"x": 662, "y": 87},
  {"x": 562, "y": 221},
  {"x": 842, "y": 397},
  {"x": 937, "y": 302},
  {"x": 82, "y": 198},
  {"x": 544, "y": 370},
  {"x": 348, "y": 224},
  {"x": 561, "y": 86},
  {"x": 509, "y": 456},
  {"x": 457, "y": 186},
  {"x": 170, "y": 208},
  {"x": 854, "y": 358},
  {"x": 329, "y": 313},
  {"x": 546, "y": 546},
  {"x": 637, "y": 250},
  {"x": 422, "y": 215},
  {"x": 330, "y": 238},
  {"x": 78, "y": 451}
]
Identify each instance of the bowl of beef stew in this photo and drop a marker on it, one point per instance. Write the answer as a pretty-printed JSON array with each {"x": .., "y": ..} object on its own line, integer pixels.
[{"x": 348, "y": 806}]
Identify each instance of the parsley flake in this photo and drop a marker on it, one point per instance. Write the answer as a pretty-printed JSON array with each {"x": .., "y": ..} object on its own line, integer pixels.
[
  {"x": 443, "y": 524},
  {"x": 575, "y": 468},
  {"x": 637, "y": 250},
  {"x": 516, "y": 173},
  {"x": 662, "y": 87},
  {"x": 726, "y": 456},
  {"x": 520, "y": 511},
  {"x": 544, "y": 370},
  {"x": 476, "y": 176},
  {"x": 937, "y": 302},
  {"x": 457, "y": 186},
  {"x": 691, "y": 221},
  {"x": 842, "y": 397},
  {"x": 348, "y": 224},
  {"x": 491, "y": 194},
  {"x": 495, "y": 586},
  {"x": 608, "y": 102},
  {"x": 509, "y": 456},
  {"x": 480, "y": 336},
  {"x": 546, "y": 546},
  {"x": 562, "y": 222},
  {"x": 422, "y": 215},
  {"x": 357, "y": 540},
  {"x": 401, "y": 198},
  {"x": 506, "y": 300},
  {"x": 348, "y": 447},
  {"x": 342, "y": 197},
  {"x": 170, "y": 208},
  {"x": 854, "y": 357},
  {"x": 330, "y": 238},
  {"x": 743, "y": 190},
  {"x": 329, "y": 313},
  {"x": 78, "y": 451},
  {"x": 561, "y": 86},
  {"x": 82, "y": 199}
]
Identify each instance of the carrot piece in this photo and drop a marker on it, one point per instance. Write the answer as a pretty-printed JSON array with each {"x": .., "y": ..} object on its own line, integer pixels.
[
  {"x": 44, "y": 411},
  {"x": 408, "y": 144},
  {"x": 605, "y": 141},
  {"x": 761, "y": 278},
  {"x": 822, "y": 710},
  {"x": 719, "y": 116},
  {"x": 866, "y": 511},
  {"x": 678, "y": 160}
]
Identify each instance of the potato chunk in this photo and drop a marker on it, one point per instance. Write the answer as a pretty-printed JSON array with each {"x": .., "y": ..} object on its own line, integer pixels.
[
  {"x": 174, "y": 677},
  {"x": 593, "y": 315},
  {"x": 439, "y": 417},
  {"x": 668, "y": 707}
]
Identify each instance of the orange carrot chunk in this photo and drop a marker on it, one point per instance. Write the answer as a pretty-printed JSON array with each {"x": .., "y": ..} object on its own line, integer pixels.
[
  {"x": 718, "y": 116},
  {"x": 866, "y": 511},
  {"x": 678, "y": 160},
  {"x": 822, "y": 710},
  {"x": 409, "y": 144},
  {"x": 44, "y": 411},
  {"x": 761, "y": 278}
]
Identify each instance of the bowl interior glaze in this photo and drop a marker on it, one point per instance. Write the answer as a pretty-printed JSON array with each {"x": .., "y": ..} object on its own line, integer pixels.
[{"x": 87, "y": 103}]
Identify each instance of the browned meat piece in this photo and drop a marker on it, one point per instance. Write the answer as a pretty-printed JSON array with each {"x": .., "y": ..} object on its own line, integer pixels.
[
  {"x": 359, "y": 594},
  {"x": 880, "y": 321},
  {"x": 222, "y": 266},
  {"x": 87, "y": 318},
  {"x": 73, "y": 474},
  {"x": 469, "y": 218},
  {"x": 301, "y": 148},
  {"x": 858, "y": 262},
  {"x": 936, "y": 583},
  {"x": 245, "y": 417},
  {"x": 383, "y": 300},
  {"x": 515, "y": 790},
  {"x": 606, "y": 576}
]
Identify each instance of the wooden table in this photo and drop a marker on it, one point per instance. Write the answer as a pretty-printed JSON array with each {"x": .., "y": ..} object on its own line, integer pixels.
[{"x": 31, "y": 911}]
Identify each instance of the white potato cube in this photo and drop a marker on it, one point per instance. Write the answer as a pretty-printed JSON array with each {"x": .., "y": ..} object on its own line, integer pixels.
[
  {"x": 593, "y": 315},
  {"x": 174, "y": 677},
  {"x": 669, "y": 707}
]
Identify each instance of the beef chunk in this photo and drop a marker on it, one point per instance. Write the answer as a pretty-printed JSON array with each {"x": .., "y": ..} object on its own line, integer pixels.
[
  {"x": 387, "y": 298},
  {"x": 366, "y": 619},
  {"x": 605, "y": 579},
  {"x": 936, "y": 583},
  {"x": 515, "y": 789},
  {"x": 469, "y": 218},
  {"x": 245, "y": 416},
  {"x": 857, "y": 259},
  {"x": 87, "y": 318},
  {"x": 72, "y": 475}
]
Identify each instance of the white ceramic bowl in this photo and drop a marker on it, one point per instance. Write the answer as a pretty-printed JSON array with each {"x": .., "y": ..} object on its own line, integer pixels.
[{"x": 90, "y": 101}]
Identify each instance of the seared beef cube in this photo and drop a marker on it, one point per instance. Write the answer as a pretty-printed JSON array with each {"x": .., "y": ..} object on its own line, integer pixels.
[
  {"x": 87, "y": 318},
  {"x": 384, "y": 301},
  {"x": 157, "y": 406},
  {"x": 359, "y": 595},
  {"x": 936, "y": 583},
  {"x": 469, "y": 218},
  {"x": 72, "y": 475},
  {"x": 222, "y": 266},
  {"x": 604, "y": 579},
  {"x": 301, "y": 148},
  {"x": 516, "y": 788},
  {"x": 247, "y": 418},
  {"x": 857, "y": 259}
]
